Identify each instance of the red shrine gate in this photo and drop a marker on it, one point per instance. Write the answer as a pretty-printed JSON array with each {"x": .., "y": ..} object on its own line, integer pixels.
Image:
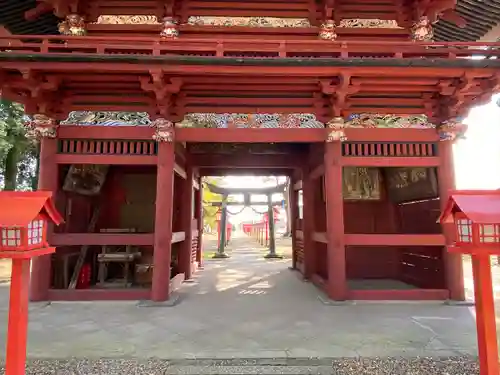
[{"x": 358, "y": 103}]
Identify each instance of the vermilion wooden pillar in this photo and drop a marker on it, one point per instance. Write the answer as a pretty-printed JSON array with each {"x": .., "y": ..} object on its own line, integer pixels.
[
  {"x": 18, "y": 317},
  {"x": 485, "y": 315},
  {"x": 199, "y": 217},
  {"x": 160, "y": 290},
  {"x": 185, "y": 256},
  {"x": 47, "y": 180},
  {"x": 453, "y": 261},
  {"x": 293, "y": 210},
  {"x": 337, "y": 281},
  {"x": 308, "y": 225}
]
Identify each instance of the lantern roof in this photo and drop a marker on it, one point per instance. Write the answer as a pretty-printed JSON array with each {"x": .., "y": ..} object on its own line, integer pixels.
[
  {"x": 19, "y": 208},
  {"x": 479, "y": 206}
]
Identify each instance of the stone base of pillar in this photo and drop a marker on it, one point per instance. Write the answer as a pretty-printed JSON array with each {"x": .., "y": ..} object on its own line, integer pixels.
[
  {"x": 220, "y": 256},
  {"x": 273, "y": 256}
]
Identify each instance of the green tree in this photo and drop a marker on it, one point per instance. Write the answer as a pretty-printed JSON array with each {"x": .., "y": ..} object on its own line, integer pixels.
[
  {"x": 18, "y": 154},
  {"x": 209, "y": 211}
]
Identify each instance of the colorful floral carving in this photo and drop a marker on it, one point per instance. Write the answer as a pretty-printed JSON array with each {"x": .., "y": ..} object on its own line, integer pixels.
[
  {"x": 377, "y": 120},
  {"x": 248, "y": 21},
  {"x": 164, "y": 130},
  {"x": 452, "y": 130},
  {"x": 41, "y": 126},
  {"x": 369, "y": 23},
  {"x": 169, "y": 30},
  {"x": 107, "y": 118},
  {"x": 73, "y": 25},
  {"x": 422, "y": 30},
  {"x": 327, "y": 31},
  {"x": 243, "y": 120},
  {"x": 127, "y": 20},
  {"x": 336, "y": 130}
]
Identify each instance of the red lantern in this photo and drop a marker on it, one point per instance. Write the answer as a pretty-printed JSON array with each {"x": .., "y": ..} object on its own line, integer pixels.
[
  {"x": 23, "y": 235},
  {"x": 475, "y": 216},
  {"x": 23, "y": 221}
]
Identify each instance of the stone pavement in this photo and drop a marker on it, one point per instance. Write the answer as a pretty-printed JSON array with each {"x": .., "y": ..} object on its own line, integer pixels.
[{"x": 246, "y": 307}]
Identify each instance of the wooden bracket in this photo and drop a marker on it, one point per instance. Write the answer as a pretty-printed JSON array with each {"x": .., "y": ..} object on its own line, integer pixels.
[
  {"x": 165, "y": 90},
  {"x": 41, "y": 90},
  {"x": 339, "y": 92},
  {"x": 160, "y": 85}
]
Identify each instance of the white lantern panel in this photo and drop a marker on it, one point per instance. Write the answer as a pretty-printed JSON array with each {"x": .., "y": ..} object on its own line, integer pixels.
[
  {"x": 464, "y": 227},
  {"x": 11, "y": 237},
  {"x": 35, "y": 232},
  {"x": 489, "y": 233}
]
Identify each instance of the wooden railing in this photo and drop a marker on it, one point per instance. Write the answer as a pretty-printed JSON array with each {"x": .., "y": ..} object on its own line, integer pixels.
[
  {"x": 209, "y": 47},
  {"x": 91, "y": 239},
  {"x": 401, "y": 149}
]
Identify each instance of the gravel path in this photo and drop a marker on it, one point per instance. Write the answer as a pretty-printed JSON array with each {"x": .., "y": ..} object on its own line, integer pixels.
[{"x": 347, "y": 366}]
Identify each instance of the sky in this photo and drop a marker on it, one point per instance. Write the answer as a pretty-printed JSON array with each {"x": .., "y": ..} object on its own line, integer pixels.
[{"x": 477, "y": 158}]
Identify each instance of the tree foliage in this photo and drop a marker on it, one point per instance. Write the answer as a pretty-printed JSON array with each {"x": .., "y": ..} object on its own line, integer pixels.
[
  {"x": 209, "y": 211},
  {"x": 18, "y": 154}
]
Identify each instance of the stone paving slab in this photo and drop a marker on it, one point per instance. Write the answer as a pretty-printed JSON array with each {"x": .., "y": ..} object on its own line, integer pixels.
[{"x": 245, "y": 307}]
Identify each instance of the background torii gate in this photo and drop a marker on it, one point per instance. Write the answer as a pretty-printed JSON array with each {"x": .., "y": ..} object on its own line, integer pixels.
[{"x": 247, "y": 193}]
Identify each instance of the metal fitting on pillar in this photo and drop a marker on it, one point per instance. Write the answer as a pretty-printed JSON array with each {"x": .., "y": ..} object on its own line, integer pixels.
[
  {"x": 169, "y": 28},
  {"x": 327, "y": 31},
  {"x": 41, "y": 126},
  {"x": 164, "y": 130},
  {"x": 336, "y": 131},
  {"x": 73, "y": 25}
]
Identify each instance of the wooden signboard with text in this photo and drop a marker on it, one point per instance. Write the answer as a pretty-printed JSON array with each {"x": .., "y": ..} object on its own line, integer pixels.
[{"x": 410, "y": 184}]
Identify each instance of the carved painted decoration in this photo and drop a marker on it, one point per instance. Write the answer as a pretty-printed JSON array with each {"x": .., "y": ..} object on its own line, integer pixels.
[
  {"x": 164, "y": 130},
  {"x": 85, "y": 179},
  {"x": 327, "y": 31},
  {"x": 105, "y": 118},
  {"x": 248, "y": 21},
  {"x": 169, "y": 29},
  {"x": 422, "y": 30},
  {"x": 452, "y": 130},
  {"x": 128, "y": 20},
  {"x": 239, "y": 120},
  {"x": 369, "y": 23},
  {"x": 269, "y": 120},
  {"x": 41, "y": 126},
  {"x": 377, "y": 120},
  {"x": 336, "y": 130},
  {"x": 359, "y": 183},
  {"x": 73, "y": 25}
]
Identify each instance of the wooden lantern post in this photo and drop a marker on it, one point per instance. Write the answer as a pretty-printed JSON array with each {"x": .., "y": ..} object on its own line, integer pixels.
[
  {"x": 476, "y": 219},
  {"x": 24, "y": 218}
]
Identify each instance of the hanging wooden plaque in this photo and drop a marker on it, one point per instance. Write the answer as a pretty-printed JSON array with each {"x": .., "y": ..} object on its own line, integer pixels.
[
  {"x": 411, "y": 184},
  {"x": 360, "y": 183}
]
